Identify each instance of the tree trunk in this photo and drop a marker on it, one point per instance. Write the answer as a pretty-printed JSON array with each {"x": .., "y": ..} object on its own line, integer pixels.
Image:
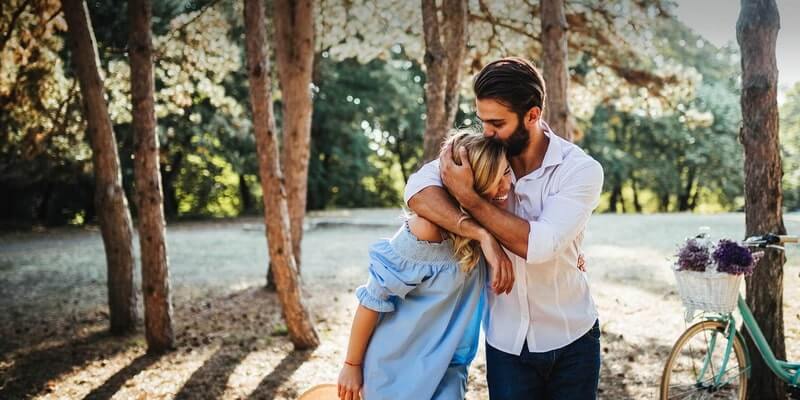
[
  {"x": 756, "y": 32},
  {"x": 245, "y": 196},
  {"x": 637, "y": 205},
  {"x": 445, "y": 47},
  {"x": 294, "y": 48},
  {"x": 149, "y": 196},
  {"x": 616, "y": 196},
  {"x": 168, "y": 185},
  {"x": 685, "y": 198},
  {"x": 276, "y": 214},
  {"x": 663, "y": 202},
  {"x": 110, "y": 201},
  {"x": 556, "y": 75}
]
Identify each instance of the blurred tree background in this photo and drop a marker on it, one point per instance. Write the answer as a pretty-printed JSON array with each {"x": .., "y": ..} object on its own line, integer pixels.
[{"x": 654, "y": 102}]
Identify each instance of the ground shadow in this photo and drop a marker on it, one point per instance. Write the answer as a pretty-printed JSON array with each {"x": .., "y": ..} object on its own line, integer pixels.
[
  {"x": 210, "y": 379},
  {"x": 266, "y": 390},
  {"x": 31, "y": 372},
  {"x": 115, "y": 382},
  {"x": 623, "y": 364}
]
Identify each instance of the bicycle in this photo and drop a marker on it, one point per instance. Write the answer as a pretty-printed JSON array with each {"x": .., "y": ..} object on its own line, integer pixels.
[{"x": 711, "y": 359}]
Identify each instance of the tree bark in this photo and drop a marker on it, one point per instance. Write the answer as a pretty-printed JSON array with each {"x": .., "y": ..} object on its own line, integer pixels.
[
  {"x": 637, "y": 205},
  {"x": 445, "y": 47},
  {"x": 149, "y": 196},
  {"x": 110, "y": 201},
  {"x": 685, "y": 198},
  {"x": 556, "y": 74},
  {"x": 616, "y": 197},
  {"x": 756, "y": 31},
  {"x": 245, "y": 196},
  {"x": 276, "y": 214},
  {"x": 294, "y": 48}
]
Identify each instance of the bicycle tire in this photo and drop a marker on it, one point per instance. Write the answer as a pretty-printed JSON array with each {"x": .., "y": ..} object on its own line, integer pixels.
[{"x": 691, "y": 348}]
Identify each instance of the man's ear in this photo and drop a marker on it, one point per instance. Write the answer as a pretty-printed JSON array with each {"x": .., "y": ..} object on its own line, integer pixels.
[{"x": 532, "y": 117}]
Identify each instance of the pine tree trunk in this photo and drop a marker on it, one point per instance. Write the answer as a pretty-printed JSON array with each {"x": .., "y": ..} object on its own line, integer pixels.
[
  {"x": 445, "y": 47},
  {"x": 756, "y": 32},
  {"x": 294, "y": 54},
  {"x": 110, "y": 201},
  {"x": 149, "y": 196},
  {"x": 556, "y": 76},
  {"x": 637, "y": 205},
  {"x": 276, "y": 214}
]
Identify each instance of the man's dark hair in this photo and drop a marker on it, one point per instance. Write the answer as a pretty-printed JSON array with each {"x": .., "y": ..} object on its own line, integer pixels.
[{"x": 512, "y": 81}]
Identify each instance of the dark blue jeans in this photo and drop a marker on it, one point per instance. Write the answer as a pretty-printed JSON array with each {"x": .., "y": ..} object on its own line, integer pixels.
[{"x": 571, "y": 372}]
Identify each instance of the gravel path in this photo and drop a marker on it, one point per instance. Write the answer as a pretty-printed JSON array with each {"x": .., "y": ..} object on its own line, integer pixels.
[{"x": 231, "y": 342}]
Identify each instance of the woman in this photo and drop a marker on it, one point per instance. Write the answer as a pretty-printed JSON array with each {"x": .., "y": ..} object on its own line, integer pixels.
[{"x": 416, "y": 328}]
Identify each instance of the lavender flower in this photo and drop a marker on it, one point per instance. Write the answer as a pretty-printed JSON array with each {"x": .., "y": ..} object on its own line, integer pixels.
[
  {"x": 733, "y": 258},
  {"x": 693, "y": 256}
]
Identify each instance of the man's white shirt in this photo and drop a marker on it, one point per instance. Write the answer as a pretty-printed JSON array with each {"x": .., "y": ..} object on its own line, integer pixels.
[{"x": 550, "y": 304}]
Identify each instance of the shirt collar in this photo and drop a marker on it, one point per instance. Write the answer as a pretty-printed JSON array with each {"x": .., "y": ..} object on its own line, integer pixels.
[{"x": 552, "y": 155}]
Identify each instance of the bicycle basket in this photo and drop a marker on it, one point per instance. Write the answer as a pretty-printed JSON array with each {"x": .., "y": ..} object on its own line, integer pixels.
[{"x": 708, "y": 291}]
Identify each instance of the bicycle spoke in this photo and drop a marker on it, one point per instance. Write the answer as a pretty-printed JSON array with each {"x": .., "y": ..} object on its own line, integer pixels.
[{"x": 705, "y": 364}]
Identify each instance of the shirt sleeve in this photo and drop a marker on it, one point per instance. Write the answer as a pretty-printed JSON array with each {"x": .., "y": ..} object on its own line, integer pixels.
[
  {"x": 565, "y": 214},
  {"x": 387, "y": 281},
  {"x": 428, "y": 175}
]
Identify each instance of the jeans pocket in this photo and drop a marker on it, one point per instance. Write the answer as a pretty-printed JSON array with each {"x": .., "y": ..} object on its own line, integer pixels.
[{"x": 594, "y": 333}]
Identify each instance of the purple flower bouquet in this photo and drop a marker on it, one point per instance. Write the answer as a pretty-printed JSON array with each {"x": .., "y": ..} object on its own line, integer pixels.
[
  {"x": 694, "y": 255},
  {"x": 735, "y": 259}
]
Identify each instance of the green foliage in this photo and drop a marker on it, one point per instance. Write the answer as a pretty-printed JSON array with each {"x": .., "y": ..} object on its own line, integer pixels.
[
  {"x": 674, "y": 152},
  {"x": 790, "y": 146},
  {"x": 366, "y": 132},
  {"x": 687, "y": 158}
]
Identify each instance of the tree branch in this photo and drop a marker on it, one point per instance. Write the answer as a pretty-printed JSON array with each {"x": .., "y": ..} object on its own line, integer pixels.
[{"x": 11, "y": 25}]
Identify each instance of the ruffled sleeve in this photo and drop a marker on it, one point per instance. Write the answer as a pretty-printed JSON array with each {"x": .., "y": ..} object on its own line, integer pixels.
[{"x": 390, "y": 277}]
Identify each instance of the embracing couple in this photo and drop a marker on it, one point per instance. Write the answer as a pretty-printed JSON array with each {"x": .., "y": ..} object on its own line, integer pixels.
[{"x": 495, "y": 235}]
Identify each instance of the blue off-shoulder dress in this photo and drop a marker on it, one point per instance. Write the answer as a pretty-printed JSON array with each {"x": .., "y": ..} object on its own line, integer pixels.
[{"x": 430, "y": 319}]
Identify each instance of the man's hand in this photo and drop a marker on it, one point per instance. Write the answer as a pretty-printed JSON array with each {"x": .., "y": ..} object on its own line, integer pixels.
[
  {"x": 582, "y": 262},
  {"x": 500, "y": 267},
  {"x": 458, "y": 179}
]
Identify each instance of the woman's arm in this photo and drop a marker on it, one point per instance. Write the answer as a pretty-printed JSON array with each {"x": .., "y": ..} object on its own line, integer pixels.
[{"x": 350, "y": 378}]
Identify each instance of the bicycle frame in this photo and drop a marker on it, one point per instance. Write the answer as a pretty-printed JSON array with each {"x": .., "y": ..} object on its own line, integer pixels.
[{"x": 787, "y": 371}]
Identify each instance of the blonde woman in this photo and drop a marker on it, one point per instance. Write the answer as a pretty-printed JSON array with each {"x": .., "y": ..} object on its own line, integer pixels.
[{"x": 416, "y": 328}]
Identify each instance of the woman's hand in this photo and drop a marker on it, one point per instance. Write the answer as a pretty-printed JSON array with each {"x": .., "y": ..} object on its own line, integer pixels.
[
  {"x": 581, "y": 262},
  {"x": 502, "y": 271},
  {"x": 350, "y": 382}
]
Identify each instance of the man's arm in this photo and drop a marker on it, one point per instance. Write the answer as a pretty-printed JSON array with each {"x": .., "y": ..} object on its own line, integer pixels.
[
  {"x": 509, "y": 229},
  {"x": 425, "y": 196},
  {"x": 563, "y": 214}
]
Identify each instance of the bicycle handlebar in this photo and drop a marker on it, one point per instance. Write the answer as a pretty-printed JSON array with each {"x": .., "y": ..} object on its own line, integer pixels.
[{"x": 770, "y": 240}]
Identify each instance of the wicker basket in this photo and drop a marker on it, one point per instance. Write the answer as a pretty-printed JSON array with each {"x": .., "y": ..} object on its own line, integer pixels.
[{"x": 708, "y": 291}]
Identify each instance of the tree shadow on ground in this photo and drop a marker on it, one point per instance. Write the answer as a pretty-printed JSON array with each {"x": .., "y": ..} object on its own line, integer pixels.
[
  {"x": 115, "y": 382},
  {"x": 210, "y": 379},
  {"x": 629, "y": 368},
  {"x": 268, "y": 387},
  {"x": 30, "y": 373}
]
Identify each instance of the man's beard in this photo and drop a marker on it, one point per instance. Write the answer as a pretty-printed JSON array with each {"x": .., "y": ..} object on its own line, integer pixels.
[{"x": 518, "y": 140}]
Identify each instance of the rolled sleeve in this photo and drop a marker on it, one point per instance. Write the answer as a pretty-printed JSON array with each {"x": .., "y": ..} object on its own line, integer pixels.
[
  {"x": 388, "y": 281},
  {"x": 428, "y": 175},
  {"x": 566, "y": 213},
  {"x": 374, "y": 297}
]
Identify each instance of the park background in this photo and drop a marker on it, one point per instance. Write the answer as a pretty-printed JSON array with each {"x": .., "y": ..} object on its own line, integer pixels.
[{"x": 654, "y": 95}]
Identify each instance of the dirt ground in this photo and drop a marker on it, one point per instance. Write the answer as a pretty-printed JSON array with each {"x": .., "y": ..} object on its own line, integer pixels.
[{"x": 231, "y": 343}]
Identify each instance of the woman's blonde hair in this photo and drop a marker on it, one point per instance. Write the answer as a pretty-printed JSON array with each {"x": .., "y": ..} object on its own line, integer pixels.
[{"x": 484, "y": 156}]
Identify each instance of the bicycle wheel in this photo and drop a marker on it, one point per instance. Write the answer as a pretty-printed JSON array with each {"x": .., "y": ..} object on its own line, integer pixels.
[{"x": 694, "y": 368}]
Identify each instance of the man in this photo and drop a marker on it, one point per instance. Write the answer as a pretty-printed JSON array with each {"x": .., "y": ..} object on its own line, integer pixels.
[{"x": 542, "y": 338}]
